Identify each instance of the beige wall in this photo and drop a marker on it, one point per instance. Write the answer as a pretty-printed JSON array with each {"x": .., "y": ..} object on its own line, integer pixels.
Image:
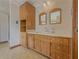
[{"x": 63, "y": 29}]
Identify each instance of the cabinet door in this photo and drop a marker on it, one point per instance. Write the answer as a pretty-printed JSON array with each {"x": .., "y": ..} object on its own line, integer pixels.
[
  {"x": 45, "y": 46},
  {"x": 66, "y": 48},
  {"x": 58, "y": 45},
  {"x": 27, "y": 12},
  {"x": 23, "y": 12},
  {"x": 60, "y": 48},
  {"x": 37, "y": 43},
  {"x": 30, "y": 11},
  {"x": 53, "y": 50},
  {"x": 31, "y": 41},
  {"x": 23, "y": 39}
]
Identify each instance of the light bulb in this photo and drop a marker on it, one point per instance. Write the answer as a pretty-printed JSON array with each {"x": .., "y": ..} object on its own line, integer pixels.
[
  {"x": 48, "y": 2},
  {"x": 44, "y": 4}
]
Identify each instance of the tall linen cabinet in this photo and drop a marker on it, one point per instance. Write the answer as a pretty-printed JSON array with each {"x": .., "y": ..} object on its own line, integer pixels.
[{"x": 27, "y": 21}]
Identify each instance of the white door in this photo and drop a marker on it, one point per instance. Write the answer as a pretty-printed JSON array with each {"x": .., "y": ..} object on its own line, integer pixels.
[{"x": 3, "y": 27}]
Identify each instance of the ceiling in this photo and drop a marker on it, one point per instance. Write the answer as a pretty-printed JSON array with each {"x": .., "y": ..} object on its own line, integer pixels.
[
  {"x": 4, "y": 4},
  {"x": 33, "y": 2}
]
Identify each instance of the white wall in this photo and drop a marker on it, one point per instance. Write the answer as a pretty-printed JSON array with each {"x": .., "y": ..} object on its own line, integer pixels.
[
  {"x": 4, "y": 6},
  {"x": 14, "y": 28},
  {"x": 13, "y": 13},
  {"x": 63, "y": 29},
  {"x": 3, "y": 10},
  {"x": 4, "y": 13},
  {"x": 4, "y": 27}
]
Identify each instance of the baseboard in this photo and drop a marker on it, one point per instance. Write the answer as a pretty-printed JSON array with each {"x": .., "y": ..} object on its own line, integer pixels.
[
  {"x": 3, "y": 42},
  {"x": 15, "y": 46}
]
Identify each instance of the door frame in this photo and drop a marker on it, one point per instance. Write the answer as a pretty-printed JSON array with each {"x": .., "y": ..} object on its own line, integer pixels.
[{"x": 75, "y": 29}]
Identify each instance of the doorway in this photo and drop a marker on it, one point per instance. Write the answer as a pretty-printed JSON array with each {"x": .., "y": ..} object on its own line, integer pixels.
[{"x": 4, "y": 27}]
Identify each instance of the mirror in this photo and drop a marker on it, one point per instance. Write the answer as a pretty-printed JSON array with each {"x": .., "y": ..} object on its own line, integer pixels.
[
  {"x": 42, "y": 19},
  {"x": 55, "y": 16}
]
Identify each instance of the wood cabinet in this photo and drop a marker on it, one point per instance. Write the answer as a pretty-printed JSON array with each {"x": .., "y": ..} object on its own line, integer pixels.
[
  {"x": 23, "y": 39},
  {"x": 27, "y": 21},
  {"x": 31, "y": 41},
  {"x": 37, "y": 43},
  {"x": 42, "y": 45},
  {"x": 30, "y": 13},
  {"x": 27, "y": 12},
  {"x": 23, "y": 25},
  {"x": 60, "y": 48},
  {"x": 22, "y": 12},
  {"x": 45, "y": 45},
  {"x": 52, "y": 47}
]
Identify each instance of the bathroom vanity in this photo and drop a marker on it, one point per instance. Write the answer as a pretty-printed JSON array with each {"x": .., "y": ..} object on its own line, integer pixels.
[{"x": 54, "y": 47}]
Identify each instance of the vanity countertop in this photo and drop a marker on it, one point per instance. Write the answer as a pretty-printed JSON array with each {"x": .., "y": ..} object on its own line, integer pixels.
[{"x": 48, "y": 34}]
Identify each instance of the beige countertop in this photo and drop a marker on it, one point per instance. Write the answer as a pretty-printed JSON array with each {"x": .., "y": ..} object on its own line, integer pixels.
[{"x": 47, "y": 33}]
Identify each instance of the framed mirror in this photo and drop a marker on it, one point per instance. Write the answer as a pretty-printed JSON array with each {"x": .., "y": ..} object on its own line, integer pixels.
[
  {"x": 42, "y": 19},
  {"x": 55, "y": 16}
]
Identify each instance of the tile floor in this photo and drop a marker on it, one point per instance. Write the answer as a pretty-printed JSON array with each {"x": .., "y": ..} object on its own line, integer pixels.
[{"x": 18, "y": 53}]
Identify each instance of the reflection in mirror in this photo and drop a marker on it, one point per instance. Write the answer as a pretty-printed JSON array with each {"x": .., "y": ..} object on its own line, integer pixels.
[
  {"x": 55, "y": 16},
  {"x": 42, "y": 19}
]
